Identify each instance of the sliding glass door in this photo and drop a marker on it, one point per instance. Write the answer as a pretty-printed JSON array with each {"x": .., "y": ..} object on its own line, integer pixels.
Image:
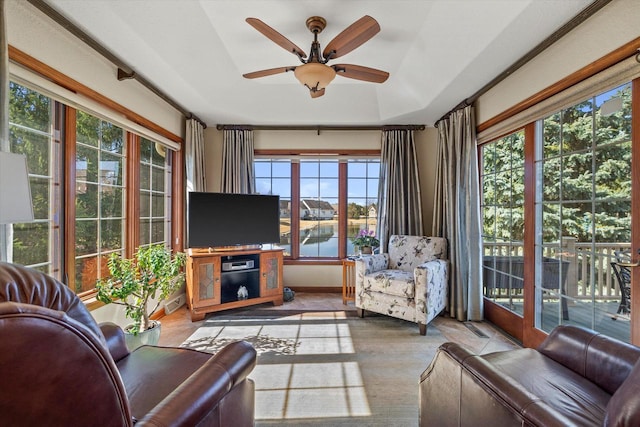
[
  {"x": 583, "y": 215},
  {"x": 559, "y": 233}
]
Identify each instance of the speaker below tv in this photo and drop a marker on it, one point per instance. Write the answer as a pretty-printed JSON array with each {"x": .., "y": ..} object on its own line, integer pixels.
[{"x": 229, "y": 221}]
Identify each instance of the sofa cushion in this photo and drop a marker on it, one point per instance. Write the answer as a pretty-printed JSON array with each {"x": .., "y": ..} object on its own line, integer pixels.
[
  {"x": 392, "y": 282},
  {"x": 570, "y": 394}
]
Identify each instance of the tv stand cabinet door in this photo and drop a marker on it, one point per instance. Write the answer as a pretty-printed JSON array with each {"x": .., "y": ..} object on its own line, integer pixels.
[
  {"x": 205, "y": 283},
  {"x": 271, "y": 274}
]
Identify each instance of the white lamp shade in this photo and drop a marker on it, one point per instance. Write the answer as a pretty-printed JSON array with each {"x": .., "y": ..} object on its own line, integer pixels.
[
  {"x": 315, "y": 75},
  {"x": 15, "y": 195}
]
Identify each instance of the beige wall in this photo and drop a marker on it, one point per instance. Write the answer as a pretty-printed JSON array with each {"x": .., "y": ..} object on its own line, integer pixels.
[
  {"x": 32, "y": 32},
  {"x": 330, "y": 275},
  {"x": 614, "y": 25}
]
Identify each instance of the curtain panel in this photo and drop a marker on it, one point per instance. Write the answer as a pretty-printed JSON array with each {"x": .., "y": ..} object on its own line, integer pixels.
[
  {"x": 237, "y": 162},
  {"x": 194, "y": 156},
  {"x": 457, "y": 212},
  {"x": 400, "y": 208}
]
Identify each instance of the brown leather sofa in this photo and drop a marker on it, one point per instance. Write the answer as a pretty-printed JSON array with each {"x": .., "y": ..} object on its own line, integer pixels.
[
  {"x": 59, "y": 368},
  {"x": 576, "y": 377}
]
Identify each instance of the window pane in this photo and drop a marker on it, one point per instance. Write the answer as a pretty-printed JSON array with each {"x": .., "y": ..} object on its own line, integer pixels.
[
  {"x": 154, "y": 194},
  {"x": 309, "y": 168},
  {"x": 31, "y": 133},
  {"x": 502, "y": 181},
  {"x": 100, "y": 197},
  {"x": 362, "y": 191},
  {"x": 274, "y": 177}
]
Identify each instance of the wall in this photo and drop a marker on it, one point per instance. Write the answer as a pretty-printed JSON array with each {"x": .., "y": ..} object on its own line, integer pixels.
[
  {"x": 613, "y": 26},
  {"x": 34, "y": 33},
  {"x": 326, "y": 275}
]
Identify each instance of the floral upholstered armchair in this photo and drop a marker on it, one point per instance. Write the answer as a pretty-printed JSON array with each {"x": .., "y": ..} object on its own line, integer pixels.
[{"x": 408, "y": 282}]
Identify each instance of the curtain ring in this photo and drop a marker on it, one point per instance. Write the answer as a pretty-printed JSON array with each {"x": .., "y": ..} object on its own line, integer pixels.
[{"x": 638, "y": 55}]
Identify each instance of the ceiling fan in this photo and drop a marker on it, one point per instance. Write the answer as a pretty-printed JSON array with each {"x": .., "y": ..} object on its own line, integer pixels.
[{"x": 315, "y": 74}]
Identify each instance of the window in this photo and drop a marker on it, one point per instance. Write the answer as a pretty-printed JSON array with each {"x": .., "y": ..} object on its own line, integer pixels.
[
  {"x": 274, "y": 177},
  {"x": 502, "y": 206},
  {"x": 362, "y": 197},
  {"x": 93, "y": 222},
  {"x": 314, "y": 192},
  {"x": 318, "y": 209},
  {"x": 32, "y": 132},
  {"x": 155, "y": 204},
  {"x": 100, "y": 197}
]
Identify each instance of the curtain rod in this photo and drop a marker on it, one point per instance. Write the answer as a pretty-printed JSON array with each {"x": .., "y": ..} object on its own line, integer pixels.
[
  {"x": 319, "y": 128},
  {"x": 584, "y": 14},
  {"x": 124, "y": 70}
]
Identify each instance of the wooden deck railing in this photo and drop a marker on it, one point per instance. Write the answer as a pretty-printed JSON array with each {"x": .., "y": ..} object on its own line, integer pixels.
[{"x": 589, "y": 274}]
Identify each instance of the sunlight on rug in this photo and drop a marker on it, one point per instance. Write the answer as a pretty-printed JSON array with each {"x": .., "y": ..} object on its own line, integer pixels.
[{"x": 328, "y": 368}]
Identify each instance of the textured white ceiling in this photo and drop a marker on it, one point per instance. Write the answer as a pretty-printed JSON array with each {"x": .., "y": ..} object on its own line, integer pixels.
[{"x": 438, "y": 53}]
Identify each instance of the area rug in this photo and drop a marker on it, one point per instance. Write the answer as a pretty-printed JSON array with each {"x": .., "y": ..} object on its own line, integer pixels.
[{"x": 329, "y": 368}]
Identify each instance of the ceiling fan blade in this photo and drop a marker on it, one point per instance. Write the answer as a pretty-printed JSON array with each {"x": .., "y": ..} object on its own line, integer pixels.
[
  {"x": 317, "y": 93},
  {"x": 269, "y": 72},
  {"x": 352, "y": 37},
  {"x": 276, "y": 37},
  {"x": 359, "y": 72}
]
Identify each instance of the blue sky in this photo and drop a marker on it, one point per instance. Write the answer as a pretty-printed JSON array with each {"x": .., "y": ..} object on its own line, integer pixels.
[{"x": 319, "y": 179}]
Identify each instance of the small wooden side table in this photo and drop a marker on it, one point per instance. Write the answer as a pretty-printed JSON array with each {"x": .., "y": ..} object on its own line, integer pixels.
[{"x": 348, "y": 280}]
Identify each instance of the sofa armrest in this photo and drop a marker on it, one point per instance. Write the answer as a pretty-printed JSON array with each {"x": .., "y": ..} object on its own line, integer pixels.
[
  {"x": 116, "y": 344},
  {"x": 605, "y": 361},
  {"x": 195, "y": 398},
  {"x": 430, "y": 289},
  {"x": 458, "y": 378}
]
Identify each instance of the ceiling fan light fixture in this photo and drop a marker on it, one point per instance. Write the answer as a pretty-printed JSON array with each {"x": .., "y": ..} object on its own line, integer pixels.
[{"x": 314, "y": 75}]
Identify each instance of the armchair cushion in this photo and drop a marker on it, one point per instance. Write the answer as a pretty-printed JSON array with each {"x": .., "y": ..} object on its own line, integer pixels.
[
  {"x": 392, "y": 282},
  {"x": 408, "y": 252}
]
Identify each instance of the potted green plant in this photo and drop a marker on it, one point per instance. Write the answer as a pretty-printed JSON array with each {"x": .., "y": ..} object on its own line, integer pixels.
[
  {"x": 150, "y": 277},
  {"x": 366, "y": 240}
]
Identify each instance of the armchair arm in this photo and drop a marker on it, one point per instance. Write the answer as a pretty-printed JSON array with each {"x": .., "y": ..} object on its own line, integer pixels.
[
  {"x": 195, "y": 398},
  {"x": 431, "y": 289},
  {"x": 114, "y": 335},
  {"x": 367, "y": 264}
]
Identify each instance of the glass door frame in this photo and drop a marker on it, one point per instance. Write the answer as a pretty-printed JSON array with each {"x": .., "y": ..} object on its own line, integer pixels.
[{"x": 523, "y": 327}]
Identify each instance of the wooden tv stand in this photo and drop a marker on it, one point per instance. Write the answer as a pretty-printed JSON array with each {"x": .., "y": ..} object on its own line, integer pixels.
[{"x": 214, "y": 277}]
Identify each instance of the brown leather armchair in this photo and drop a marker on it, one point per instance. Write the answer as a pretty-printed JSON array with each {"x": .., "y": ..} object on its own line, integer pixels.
[
  {"x": 58, "y": 367},
  {"x": 576, "y": 377}
]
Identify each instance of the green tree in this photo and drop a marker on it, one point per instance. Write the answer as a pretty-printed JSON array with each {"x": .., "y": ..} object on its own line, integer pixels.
[{"x": 355, "y": 210}]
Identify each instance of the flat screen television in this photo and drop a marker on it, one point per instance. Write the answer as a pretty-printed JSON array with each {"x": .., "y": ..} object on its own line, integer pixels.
[{"x": 217, "y": 220}]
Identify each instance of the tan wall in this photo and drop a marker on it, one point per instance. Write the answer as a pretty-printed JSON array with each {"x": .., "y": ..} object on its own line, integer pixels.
[
  {"x": 32, "y": 32},
  {"x": 613, "y": 26},
  {"x": 329, "y": 275}
]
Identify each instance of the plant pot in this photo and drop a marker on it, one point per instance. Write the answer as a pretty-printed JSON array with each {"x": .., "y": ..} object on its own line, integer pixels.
[
  {"x": 366, "y": 250},
  {"x": 149, "y": 337}
]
